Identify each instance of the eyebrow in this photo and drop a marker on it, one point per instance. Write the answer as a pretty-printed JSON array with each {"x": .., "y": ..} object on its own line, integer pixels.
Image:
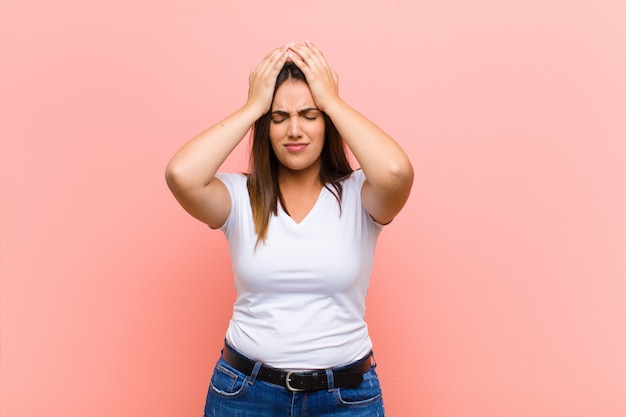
[{"x": 300, "y": 112}]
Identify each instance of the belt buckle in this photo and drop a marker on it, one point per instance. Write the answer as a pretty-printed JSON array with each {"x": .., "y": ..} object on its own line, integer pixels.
[{"x": 288, "y": 383}]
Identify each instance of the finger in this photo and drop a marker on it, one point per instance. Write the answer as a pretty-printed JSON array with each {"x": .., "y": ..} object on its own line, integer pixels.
[
  {"x": 296, "y": 55},
  {"x": 314, "y": 48},
  {"x": 276, "y": 62},
  {"x": 315, "y": 52},
  {"x": 313, "y": 57},
  {"x": 309, "y": 68},
  {"x": 263, "y": 77},
  {"x": 304, "y": 55},
  {"x": 263, "y": 61},
  {"x": 297, "y": 59},
  {"x": 270, "y": 61}
]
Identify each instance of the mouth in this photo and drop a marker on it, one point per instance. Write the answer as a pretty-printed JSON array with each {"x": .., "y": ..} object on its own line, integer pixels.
[{"x": 296, "y": 147}]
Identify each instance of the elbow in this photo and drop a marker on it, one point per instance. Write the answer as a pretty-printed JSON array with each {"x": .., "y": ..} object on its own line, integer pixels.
[
  {"x": 175, "y": 177},
  {"x": 393, "y": 178},
  {"x": 170, "y": 174},
  {"x": 400, "y": 174}
]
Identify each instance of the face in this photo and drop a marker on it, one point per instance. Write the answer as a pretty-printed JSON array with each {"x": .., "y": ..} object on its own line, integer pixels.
[{"x": 296, "y": 128}]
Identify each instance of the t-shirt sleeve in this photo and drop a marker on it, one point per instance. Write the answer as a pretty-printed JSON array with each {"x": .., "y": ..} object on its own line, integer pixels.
[
  {"x": 236, "y": 185},
  {"x": 358, "y": 179}
]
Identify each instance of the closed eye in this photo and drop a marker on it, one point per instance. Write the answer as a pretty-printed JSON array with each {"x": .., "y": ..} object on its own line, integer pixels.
[
  {"x": 279, "y": 116},
  {"x": 310, "y": 114}
]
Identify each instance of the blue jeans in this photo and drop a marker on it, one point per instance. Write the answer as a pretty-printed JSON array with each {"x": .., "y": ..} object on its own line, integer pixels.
[{"x": 235, "y": 394}]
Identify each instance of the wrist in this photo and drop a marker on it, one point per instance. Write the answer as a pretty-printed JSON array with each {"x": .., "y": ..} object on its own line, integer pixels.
[
  {"x": 254, "y": 111},
  {"x": 331, "y": 107}
]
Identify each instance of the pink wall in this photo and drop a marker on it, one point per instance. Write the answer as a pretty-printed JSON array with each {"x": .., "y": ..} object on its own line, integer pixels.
[{"x": 499, "y": 291}]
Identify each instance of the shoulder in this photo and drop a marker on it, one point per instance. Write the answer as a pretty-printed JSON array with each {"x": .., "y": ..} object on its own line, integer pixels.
[
  {"x": 232, "y": 181},
  {"x": 352, "y": 188},
  {"x": 236, "y": 184},
  {"x": 355, "y": 180}
]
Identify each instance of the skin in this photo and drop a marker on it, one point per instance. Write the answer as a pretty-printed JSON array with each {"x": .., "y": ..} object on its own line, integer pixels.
[
  {"x": 190, "y": 173},
  {"x": 297, "y": 129},
  {"x": 297, "y": 138}
]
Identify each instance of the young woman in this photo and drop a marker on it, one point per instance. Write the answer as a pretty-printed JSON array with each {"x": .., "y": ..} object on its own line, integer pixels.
[{"x": 302, "y": 227}]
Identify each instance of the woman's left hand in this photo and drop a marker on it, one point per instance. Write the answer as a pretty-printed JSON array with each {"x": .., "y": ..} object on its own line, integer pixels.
[{"x": 322, "y": 80}]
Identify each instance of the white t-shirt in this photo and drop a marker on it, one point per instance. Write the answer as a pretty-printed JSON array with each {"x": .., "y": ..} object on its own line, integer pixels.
[{"x": 301, "y": 294}]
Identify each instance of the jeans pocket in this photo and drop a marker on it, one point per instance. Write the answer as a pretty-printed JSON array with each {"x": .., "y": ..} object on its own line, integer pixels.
[
  {"x": 367, "y": 393},
  {"x": 227, "y": 382}
]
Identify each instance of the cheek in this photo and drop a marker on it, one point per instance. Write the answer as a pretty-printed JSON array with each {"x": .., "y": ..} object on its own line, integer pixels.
[
  {"x": 274, "y": 135},
  {"x": 277, "y": 131},
  {"x": 274, "y": 141},
  {"x": 321, "y": 133},
  {"x": 321, "y": 127},
  {"x": 317, "y": 130}
]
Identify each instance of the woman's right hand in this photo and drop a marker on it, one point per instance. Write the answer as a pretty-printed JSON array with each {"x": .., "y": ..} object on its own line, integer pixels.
[{"x": 263, "y": 79}]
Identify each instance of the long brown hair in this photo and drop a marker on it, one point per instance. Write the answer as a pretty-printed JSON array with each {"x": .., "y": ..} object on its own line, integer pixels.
[{"x": 262, "y": 181}]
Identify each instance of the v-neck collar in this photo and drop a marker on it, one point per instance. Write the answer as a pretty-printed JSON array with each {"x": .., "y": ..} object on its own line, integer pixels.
[{"x": 311, "y": 212}]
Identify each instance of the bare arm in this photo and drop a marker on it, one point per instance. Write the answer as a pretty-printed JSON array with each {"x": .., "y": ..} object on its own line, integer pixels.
[
  {"x": 388, "y": 170},
  {"x": 190, "y": 174}
]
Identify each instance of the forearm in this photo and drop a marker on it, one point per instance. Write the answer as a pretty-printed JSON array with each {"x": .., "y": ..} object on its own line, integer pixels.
[
  {"x": 197, "y": 162},
  {"x": 385, "y": 164}
]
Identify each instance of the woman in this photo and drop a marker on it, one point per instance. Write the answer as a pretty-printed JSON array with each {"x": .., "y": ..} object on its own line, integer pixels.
[{"x": 302, "y": 227}]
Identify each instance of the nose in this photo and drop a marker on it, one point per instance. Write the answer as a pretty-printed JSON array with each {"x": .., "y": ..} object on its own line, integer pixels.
[{"x": 294, "y": 130}]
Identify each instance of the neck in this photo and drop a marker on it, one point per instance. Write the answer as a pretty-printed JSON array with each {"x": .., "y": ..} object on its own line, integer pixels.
[{"x": 307, "y": 178}]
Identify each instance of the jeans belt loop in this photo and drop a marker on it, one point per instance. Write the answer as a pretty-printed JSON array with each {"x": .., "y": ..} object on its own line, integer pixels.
[
  {"x": 255, "y": 372},
  {"x": 331, "y": 380}
]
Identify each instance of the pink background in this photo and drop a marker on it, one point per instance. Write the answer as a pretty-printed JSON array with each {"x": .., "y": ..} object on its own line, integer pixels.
[{"x": 499, "y": 291}]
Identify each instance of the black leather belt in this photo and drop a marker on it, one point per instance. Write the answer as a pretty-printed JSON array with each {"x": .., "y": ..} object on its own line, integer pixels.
[{"x": 343, "y": 377}]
